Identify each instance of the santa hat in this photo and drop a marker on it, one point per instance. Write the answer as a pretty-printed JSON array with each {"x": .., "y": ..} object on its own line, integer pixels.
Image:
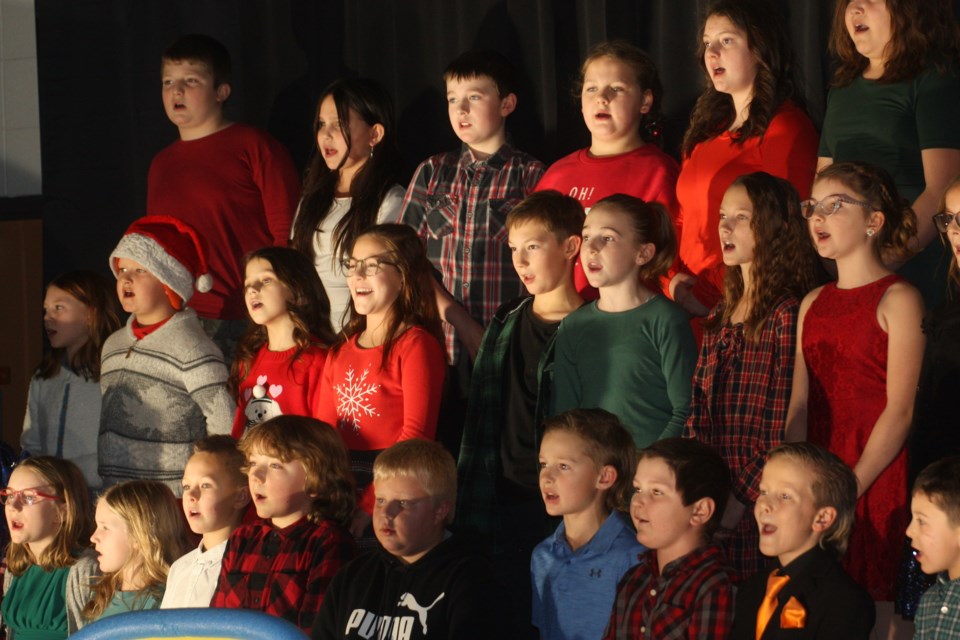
[{"x": 171, "y": 250}]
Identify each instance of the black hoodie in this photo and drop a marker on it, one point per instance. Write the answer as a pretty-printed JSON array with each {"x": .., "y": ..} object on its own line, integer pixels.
[{"x": 450, "y": 592}]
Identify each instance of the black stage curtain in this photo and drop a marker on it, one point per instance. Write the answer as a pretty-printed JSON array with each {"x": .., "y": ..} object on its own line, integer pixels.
[{"x": 102, "y": 120}]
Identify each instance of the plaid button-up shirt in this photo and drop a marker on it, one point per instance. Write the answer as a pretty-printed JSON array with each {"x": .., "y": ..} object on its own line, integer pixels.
[
  {"x": 939, "y": 615},
  {"x": 283, "y": 572},
  {"x": 692, "y": 598},
  {"x": 459, "y": 205}
]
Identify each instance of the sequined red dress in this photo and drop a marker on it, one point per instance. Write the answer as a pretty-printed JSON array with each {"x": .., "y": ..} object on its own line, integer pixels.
[{"x": 845, "y": 351}]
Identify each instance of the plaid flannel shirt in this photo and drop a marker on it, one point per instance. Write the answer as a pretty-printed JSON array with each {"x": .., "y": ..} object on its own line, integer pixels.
[
  {"x": 479, "y": 465},
  {"x": 741, "y": 392},
  {"x": 283, "y": 572},
  {"x": 693, "y": 598},
  {"x": 939, "y": 615},
  {"x": 458, "y": 205}
]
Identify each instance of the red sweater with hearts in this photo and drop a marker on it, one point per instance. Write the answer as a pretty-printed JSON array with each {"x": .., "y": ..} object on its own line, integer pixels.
[{"x": 277, "y": 385}]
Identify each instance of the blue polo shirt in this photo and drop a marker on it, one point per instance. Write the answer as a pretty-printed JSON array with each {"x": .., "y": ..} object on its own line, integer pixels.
[{"x": 573, "y": 591}]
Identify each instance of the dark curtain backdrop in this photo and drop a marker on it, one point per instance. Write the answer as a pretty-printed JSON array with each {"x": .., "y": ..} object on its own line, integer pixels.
[{"x": 102, "y": 120}]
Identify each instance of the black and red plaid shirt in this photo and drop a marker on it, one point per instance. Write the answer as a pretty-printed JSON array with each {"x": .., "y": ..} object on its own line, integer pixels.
[
  {"x": 459, "y": 206},
  {"x": 741, "y": 392},
  {"x": 283, "y": 572},
  {"x": 693, "y": 598}
]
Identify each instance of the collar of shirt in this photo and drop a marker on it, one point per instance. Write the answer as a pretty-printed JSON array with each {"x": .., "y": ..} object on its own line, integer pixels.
[
  {"x": 684, "y": 563},
  {"x": 495, "y": 161},
  {"x": 599, "y": 544}
]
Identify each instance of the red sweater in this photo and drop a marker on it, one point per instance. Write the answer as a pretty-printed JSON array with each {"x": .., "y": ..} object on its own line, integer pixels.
[
  {"x": 647, "y": 173},
  {"x": 787, "y": 150},
  {"x": 239, "y": 188},
  {"x": 275, "y": 386},
  {"x": 374, "y": 408}
]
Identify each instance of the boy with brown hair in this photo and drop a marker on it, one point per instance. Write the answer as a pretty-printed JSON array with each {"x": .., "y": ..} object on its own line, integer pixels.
[
  {"x": 805, "y": 513},
  {"x": 215, "y": 497},
  {"x": 681, "y": 588},
  {"x": 235, "y": 184},
  {"x": 935, "y": 535},
  {"x": 302, "y": 487},
  {"x": 163, "y": 380},
  {"x": 458, "y": 202},
  {"x": 421, "y": 582}
]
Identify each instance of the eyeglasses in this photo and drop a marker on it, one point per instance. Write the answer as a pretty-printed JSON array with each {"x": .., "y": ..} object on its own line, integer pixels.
[
  {"x": 829, "y": 205},
  {"x": 366, "y": 267},
  {"x": 26, "y": 496},
  {"x": 943, "y": 220}
]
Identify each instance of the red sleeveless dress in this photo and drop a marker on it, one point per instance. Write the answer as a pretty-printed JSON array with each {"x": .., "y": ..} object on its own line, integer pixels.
[{"x": 845, "y": 351}]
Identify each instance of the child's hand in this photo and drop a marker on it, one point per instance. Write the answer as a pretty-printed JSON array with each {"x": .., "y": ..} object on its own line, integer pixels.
[
  {"x": 361, "y": 520},
  {"x": 469, "y": 331},
  {"x": 681, "y": 290}
]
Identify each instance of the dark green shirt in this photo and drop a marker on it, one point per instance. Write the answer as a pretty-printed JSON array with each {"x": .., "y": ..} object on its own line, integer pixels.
[{"x": 637, "y": 364}]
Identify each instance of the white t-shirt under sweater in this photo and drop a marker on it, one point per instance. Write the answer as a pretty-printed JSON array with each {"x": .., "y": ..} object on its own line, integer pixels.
[
  {"x": 192, "y": 579},
  {"x": 331, "y": 274},
  {"x": 63, "y": 420}
]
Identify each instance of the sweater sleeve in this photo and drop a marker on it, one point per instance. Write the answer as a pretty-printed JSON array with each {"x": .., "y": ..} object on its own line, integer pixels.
[
  {"x": 79, "y": 590},
  {"x": 31, "y": 439},
  {"x": 414, "y": 209},
  {"x": 789, "y": 149},
  {"x": 326, "y": 405},
  {"x": 678, "y": 358},
  {"x": 422, "y": 369},
  {"x": 215, "y": 402},
  {"x": 276, "y": 176},
  {"x": 314, "y": 386}
]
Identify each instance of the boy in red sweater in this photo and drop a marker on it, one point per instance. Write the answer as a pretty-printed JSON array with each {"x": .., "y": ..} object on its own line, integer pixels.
[{"x": 233, "y": 183}]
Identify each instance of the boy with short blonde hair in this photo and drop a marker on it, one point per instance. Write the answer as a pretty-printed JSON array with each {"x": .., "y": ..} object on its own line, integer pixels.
[
  {"x": 586, "y": 461},
  {"x": 680, "y": 588},
  {"x": 805, "y": 512},
  {"x": 935, "y": 535},
  {"x": 215, "y": 497},
  {"x": 421, "y": 582},
  {"x": 163, "y": 380},
  {"x": 302, "y": 487}
]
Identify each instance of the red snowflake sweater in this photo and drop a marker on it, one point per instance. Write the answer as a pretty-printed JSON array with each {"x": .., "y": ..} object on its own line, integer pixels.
[
  {"x": 276, "y": 386},
  {"x": 374, "y": 407}
]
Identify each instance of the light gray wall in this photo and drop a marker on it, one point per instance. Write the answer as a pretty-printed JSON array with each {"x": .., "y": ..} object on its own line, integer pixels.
[{"x": 19, "y": 106}]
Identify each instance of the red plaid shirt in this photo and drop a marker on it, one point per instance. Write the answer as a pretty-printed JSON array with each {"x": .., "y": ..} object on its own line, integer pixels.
[
  {"x": 692, "y": 598},
  {"x": 283, "y": 572},
  {"x": 459, "y": 205},
  {"x": 741, "y": 392}
]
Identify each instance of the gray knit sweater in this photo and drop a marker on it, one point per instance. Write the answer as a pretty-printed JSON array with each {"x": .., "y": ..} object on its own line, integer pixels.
[{"x": 160, "y": 395}]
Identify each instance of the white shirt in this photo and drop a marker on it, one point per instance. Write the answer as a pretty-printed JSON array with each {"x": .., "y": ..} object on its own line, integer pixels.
[
  {"x": 331, "y": 274},
  {"x": 193, "y": 578}
]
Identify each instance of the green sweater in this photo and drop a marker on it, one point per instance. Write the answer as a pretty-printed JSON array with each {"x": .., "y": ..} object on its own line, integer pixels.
[{"x": 637, "y": 364}]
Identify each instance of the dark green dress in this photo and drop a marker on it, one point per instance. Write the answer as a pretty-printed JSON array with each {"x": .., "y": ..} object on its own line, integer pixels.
[
  {"x": 35, "y": 606},
  {"x": 889, "y": 125}
]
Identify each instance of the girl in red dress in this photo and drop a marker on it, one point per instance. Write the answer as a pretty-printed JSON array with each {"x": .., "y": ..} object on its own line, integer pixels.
[{"x": 859, "y": 352}]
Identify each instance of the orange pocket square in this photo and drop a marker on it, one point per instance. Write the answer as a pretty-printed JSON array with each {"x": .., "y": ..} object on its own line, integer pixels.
[{"x": 793, "y": 615}]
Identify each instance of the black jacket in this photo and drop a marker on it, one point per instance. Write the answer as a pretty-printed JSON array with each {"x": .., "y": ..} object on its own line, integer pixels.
[{"x": 837, "y": 607}]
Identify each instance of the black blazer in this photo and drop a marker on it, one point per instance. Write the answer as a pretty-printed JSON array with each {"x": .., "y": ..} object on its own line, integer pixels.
[{"x": 837, "y": 607}]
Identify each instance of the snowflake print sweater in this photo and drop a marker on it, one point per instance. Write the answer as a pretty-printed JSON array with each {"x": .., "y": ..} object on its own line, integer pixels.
[
  {"x": 374, "y": 408},
  {"x": 275, "y": 386}
]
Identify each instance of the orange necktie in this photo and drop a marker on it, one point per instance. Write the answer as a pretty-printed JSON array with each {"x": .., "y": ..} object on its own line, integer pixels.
[{"x": 774, "y": 584}]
